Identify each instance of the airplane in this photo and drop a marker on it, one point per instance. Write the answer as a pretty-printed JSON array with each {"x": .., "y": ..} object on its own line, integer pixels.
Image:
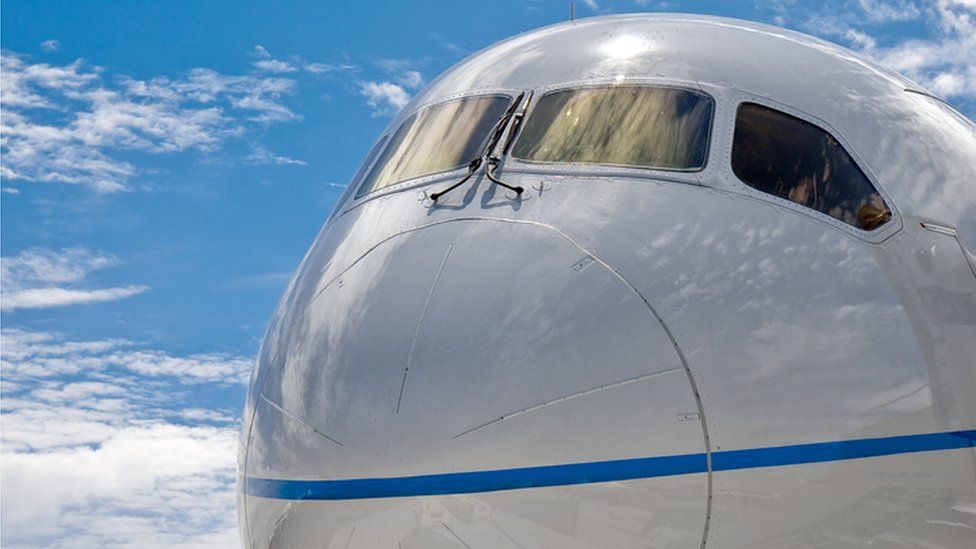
[{"x": 634, "y": 281}]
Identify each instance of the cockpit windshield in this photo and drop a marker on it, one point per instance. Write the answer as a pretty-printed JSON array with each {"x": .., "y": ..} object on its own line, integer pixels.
[
  {"x": 438, "y": 138},
  {"x": 625, "y": 125}
]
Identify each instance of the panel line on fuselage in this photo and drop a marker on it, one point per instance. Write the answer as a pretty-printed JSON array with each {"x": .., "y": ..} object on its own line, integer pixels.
[{"x": 571, "y": 396}]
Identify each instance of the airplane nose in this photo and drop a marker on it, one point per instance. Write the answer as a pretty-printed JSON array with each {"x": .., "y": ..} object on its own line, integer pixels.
[{"x": 478, "y": 345}]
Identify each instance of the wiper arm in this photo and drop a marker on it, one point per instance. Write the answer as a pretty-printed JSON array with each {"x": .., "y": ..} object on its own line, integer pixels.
[
  {"x": 472, "y": 168},
  {"x": 497, "y": 130},
  {"x": 490, "y": 172}
]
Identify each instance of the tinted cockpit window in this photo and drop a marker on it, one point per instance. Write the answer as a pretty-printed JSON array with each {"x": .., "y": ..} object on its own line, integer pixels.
[
  {"x": 438, "y": 138},
  {"x": 639, "y": 126},
  {"x": 793, "y": 159}
]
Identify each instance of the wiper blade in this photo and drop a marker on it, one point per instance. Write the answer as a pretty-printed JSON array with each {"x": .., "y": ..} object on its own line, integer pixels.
[
  {"x": 496, "y": 133},
  {"x": 493, "y": 160}
]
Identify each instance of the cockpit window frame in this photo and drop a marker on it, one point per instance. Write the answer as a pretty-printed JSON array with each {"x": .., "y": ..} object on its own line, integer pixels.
[
  {"x": 878, "y": 235},
  {"x": 398, "y": 123},
  {"x": 349, "y": 194},
  {"x": 603, "y": 168}
]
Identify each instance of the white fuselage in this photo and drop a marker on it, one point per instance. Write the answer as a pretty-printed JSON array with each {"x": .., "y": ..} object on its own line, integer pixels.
[{"x": 631, "y": 357}]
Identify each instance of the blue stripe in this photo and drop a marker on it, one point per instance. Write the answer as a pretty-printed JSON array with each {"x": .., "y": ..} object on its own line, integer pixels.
[
  {"x": 604, "y": 471},
  {"x": 820, "y": 452}
]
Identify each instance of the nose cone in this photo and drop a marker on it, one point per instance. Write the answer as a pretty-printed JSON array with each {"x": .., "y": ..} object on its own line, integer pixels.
[{"x": 476, "y": 345}]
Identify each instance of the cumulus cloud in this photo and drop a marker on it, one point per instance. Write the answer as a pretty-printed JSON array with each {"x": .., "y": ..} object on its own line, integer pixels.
[
  {"x": 384, "y": 97},
  {"x": 68, "y": 123},
  {"x": 943, "y": 61},
  {"x": 403, "y": 72},
  {"x": 35, "y": 279},
  {"x": 269, "y": 64},
  {"x": 274, "y": 65},
  {"x": 103, "y": 446},
  {"x": 411, "y": 79},
  {"x": 390, "y": 95},
  {"x": 945, "y": 64},
  {"x": 50, "y": 45}
]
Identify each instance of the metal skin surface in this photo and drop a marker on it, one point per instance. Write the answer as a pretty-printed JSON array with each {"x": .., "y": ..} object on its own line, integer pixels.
[{"x": 614, "y": 314}]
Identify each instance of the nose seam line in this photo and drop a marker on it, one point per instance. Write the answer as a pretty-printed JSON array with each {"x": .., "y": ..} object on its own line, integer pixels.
[{"x": 420, "y": 322}]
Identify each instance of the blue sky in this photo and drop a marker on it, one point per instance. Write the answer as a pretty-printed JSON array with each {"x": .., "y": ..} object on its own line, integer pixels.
[{"x": 164, "y": 168}]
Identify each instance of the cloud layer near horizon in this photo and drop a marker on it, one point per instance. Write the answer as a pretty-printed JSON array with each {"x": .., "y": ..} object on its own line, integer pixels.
[{"x": 105, "y": 443}]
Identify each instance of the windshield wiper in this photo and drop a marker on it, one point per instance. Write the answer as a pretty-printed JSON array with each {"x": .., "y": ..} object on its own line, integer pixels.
[
  {"x": 472, "y": 168},
  {"x": 496, "y": 133},
  {"x": 490, "y": 172},
  {"x": 493, "y": 160}
]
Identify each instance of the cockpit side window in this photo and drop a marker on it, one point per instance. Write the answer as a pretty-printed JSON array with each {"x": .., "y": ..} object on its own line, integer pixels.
[
  {"x": 625, "y": 125},
  {"x": 354, "y": 182},
  {"x": 793, "y": 159},
  {"x": 438, "y": 138}
]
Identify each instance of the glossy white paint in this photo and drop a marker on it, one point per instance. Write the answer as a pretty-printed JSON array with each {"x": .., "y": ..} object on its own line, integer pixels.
[{"x": 616, "y": 313}]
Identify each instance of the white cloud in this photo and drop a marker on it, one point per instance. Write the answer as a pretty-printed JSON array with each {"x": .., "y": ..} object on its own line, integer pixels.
[
  {"x": 193, "y": 369},
  {"x": 946, "y": 64},
  {"x": 859, "y": 39},
  {"x": 41, "y": 265},
  {"x": 30, "y": 279},
  {"x": 267, "y": 63},
  {"x": 67, "y": 123},
  {"x": 261, "y": 155},
  {"x": 274, "y": 65},
  {"x": 206, "y": 414},
  {"x": 879, "y": 11},
  {"x": 322, "y": 68},
  {"x": 402, "y": 72},
  {"x": 157, "y": 485},
  {"x": 9, "y": 190},
  {"x": 41, "y": 355},
  {"x": 384, "y": 97},
  {"x": 42, "y": 298},
  {"x": 942, "y": 60},
  {"x": 411, "y": 79},
  {"x": 50, "y": 45},
  {"x": 318, "y": 68},
  {"x": 102, "y": 445}
]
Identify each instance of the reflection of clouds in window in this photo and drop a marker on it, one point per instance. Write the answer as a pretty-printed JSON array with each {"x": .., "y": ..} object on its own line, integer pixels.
[
  {"x": 624, "y": 125},
  {"x": 793, "y": 159},
  {"x": 436, "y": 139}
]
